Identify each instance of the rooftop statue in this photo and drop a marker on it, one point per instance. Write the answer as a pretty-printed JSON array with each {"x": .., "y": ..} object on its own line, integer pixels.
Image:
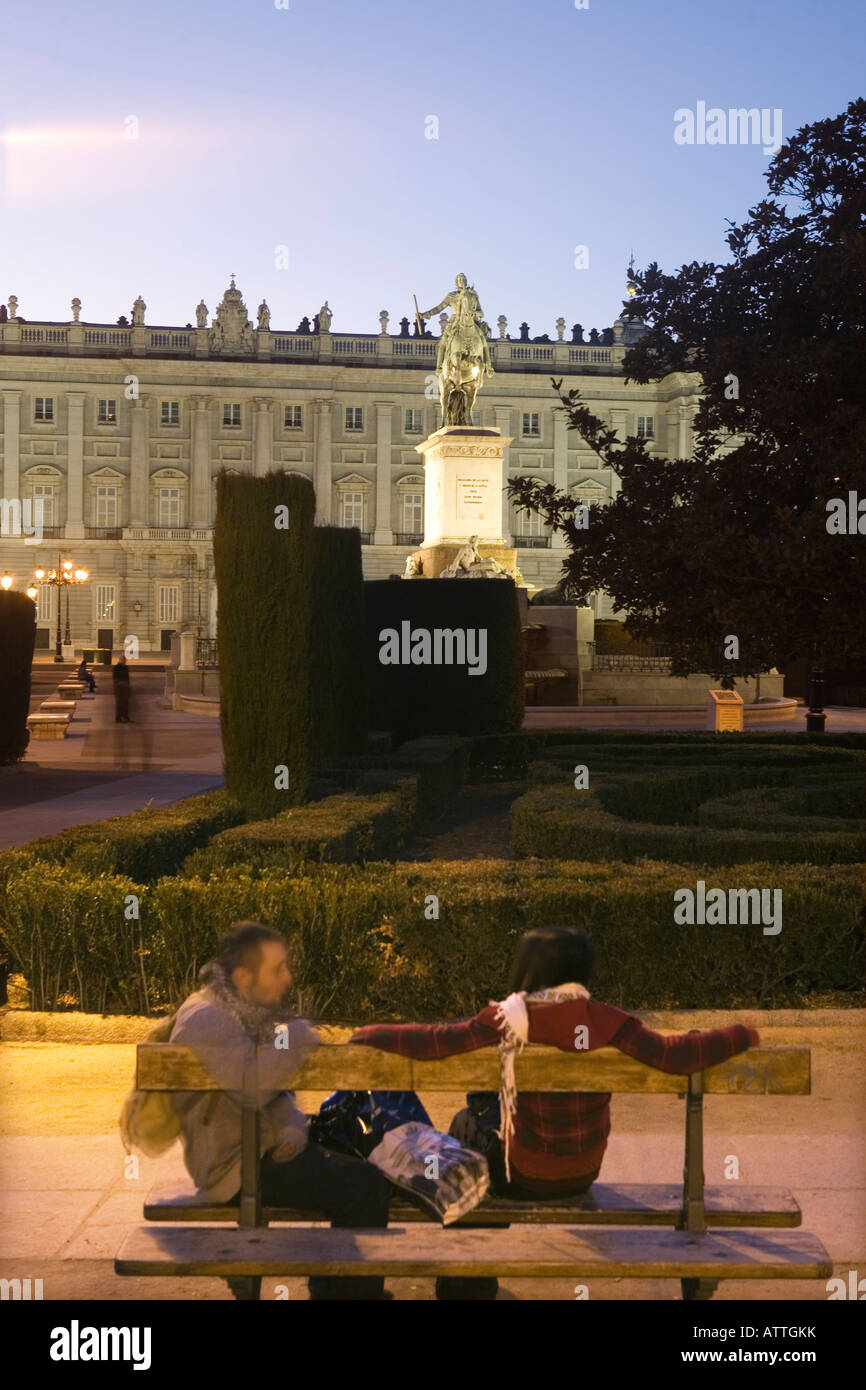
[{"x": 464, "y": 356}]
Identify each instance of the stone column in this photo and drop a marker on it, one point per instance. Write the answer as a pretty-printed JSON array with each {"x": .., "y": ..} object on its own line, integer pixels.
[
  {"x": 263, "y": 443},
  {"x": 75, "y": 466},
  {"x": 383, "y": 534},
  {"x": 200, "y": 500},
  {"x": 138, "y": 463},
  {"x": 11, "y": 444},
  {"x": 502, "y": 416},
  {"x": 322, "y": 422}
]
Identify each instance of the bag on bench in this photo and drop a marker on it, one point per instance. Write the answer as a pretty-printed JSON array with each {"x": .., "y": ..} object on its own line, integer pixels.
[
  {"x": 148, "y": 1120},
  {"x": 446, "y": 1177}
]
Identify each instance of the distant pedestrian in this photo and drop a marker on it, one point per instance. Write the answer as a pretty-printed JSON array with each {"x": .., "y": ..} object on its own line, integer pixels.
[
  {"x": 120, "y": 674},
  {"x": 86, "y": 676}
]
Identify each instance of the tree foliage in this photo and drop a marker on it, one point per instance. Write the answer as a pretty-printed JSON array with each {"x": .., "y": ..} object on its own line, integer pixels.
[{"x": 735, "y": 540}]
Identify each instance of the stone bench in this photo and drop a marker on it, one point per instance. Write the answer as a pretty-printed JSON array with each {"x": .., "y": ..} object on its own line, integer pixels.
[
  {"x": 71, "y": 690},
  {"x": 47, "y": 725},
  {"x": 57, "y": 706}
]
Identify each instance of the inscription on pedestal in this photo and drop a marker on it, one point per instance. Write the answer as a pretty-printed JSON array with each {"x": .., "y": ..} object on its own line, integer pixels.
[{"x": 473, "y": 496}]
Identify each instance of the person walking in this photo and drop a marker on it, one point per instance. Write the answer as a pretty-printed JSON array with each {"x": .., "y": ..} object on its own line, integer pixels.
[{"x": 120, "y": 674}]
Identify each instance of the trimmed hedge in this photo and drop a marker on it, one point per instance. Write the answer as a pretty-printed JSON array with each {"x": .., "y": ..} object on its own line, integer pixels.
[
  {"x": 440, "y": 763},
  {"x": 144, "y": 846},
  {"x": 363, "y": 947},
  {"x": 508, "y": 756},
  {"x": 337, "y": 654},
  {"x": 412, "y": 700},
  {"x": 337, "y": 830},
  {"x": 263, "y": 630},
  {"x": 835, "y": 805},
  {"x": 17, "y": 637},
  {"x": 558, "y": 822},
  {"x": 70, "y": 935}
]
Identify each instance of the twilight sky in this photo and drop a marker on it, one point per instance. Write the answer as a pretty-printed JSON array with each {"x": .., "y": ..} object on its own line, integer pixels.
[{"x": 307, "y": 128}]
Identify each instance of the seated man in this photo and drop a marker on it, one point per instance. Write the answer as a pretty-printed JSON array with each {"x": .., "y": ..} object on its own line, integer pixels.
[
  {"x": 84, "y": 675},
  {"x": 239, "y": 1007}
]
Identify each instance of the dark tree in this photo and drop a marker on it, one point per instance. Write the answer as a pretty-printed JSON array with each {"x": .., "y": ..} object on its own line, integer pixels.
[{"x": 740, "y": 539}]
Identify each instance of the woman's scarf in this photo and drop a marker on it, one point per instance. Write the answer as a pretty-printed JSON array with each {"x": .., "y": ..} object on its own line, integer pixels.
[{"x": 512, "y": 1018}]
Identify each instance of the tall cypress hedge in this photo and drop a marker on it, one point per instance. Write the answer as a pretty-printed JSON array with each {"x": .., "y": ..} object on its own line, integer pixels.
[
  {"x": 17, "y": 636},
  {"x": 411, "y": 698},
  {"x": 263, "y": 575},
  {"x": 338, "y": 672}
]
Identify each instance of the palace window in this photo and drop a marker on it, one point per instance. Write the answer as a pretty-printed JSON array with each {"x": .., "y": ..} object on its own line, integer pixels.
[
  {"x": 44, "y": 605},
  {"x": 529, "y": 524},
  {"x": 530, "y": 424},
  {"x": 105, "y": 603},
  {"x": 168, "y": 604},
  {"x": 413, "y": 422},
  {"x": 354, "y": 418},
  {"x": 106, "y": 505},
  {"x": 353, "y": 509},
  {"x": 413, "y": 513},
  {"x": 231, "y": 415},
  {"x": 106, "y": 413},
  {"x": 169, "y": 506},
  {"x": 294, "y": 417},
  {"x": 43, "y": 409},
  {"x": 645, "y": 427},
  {"x": 169, "y": 413},
  {"x": 43, "y": 493}
]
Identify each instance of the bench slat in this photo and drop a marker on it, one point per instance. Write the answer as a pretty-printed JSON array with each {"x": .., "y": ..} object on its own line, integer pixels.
[
  {"x": 760, "y": 1071},
  {"x": 621, "y": 1204},
  {"x": 539, "y": 1252}
]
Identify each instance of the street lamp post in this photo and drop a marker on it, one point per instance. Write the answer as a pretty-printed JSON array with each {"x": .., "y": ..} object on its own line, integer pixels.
[{"x": 61, "y": 578}]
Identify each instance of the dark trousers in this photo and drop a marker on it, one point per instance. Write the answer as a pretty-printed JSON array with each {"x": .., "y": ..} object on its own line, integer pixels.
[
  {"x": 474, "y": 1128},
  {"x": 121, "y": 702},
  {"x": 348, "y": 1190}
]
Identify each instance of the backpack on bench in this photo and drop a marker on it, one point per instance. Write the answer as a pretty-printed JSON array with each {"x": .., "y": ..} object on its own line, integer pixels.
[{"x": 148, "y": 1120}]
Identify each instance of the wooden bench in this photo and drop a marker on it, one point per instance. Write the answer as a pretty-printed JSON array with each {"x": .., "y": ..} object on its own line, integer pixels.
[
  {"x": 46, "y": 725},
  {"x": 682, "y": 1231}
]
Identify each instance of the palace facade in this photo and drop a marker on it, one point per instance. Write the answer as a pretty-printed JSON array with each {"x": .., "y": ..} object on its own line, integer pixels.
[{"x": 115, "y": 435}]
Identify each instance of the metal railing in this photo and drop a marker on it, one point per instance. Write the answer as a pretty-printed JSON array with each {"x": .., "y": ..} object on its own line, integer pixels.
[
  {"x": 532, "y": 542},
  {"x": 206, "y": 654},
  {"x": 408, "y": 537},
  {"x": 641, "y": 657},
  {"x": 103, "y": 533}
]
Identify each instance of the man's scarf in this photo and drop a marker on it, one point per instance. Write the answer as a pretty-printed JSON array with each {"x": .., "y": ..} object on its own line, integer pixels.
[
  {"x": 512, "y": 1018},
  {"x": 259, "y": 1021}
]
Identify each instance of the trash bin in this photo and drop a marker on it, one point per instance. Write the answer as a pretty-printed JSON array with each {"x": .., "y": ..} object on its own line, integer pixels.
[{"x": 724, "y": 711}]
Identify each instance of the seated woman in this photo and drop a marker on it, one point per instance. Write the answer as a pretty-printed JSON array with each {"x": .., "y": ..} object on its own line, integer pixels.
[{"x": 547, "y": 1144}]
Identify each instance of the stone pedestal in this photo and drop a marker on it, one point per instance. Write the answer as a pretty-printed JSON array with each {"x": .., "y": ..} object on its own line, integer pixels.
[{"x": 463, "y": 471}]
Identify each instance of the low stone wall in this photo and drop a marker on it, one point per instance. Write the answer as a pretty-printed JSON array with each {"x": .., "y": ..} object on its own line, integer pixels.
[{"x": 653, "y": 688}]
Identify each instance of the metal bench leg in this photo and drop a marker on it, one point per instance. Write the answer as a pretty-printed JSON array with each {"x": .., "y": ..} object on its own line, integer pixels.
[
  {"x": 246, "y": 1288},
  {"x": 698, "y": 1289},
  {"x": 693, "y": 1217}
]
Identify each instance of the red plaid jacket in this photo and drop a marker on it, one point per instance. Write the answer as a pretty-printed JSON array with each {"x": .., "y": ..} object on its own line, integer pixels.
[{"x": 560, "y": 1136}]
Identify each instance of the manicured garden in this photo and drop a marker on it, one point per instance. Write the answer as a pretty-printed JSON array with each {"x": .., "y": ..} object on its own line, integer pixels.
[{"x": 118, "y": 917}]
